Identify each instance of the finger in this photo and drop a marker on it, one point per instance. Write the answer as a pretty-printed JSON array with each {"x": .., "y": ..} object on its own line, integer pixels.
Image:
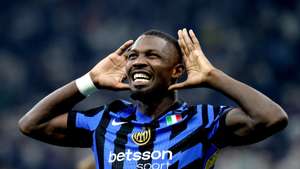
[
  {"x": 177, "y": 86},
  {"x": 194, "y": 38},
  {"x": 187, "y": 40},
  {"x": 124, "y": 47},
  {"x": 182, "y": 43},
  {"x": 124, "y": 77},
  {"x": 181, "y": 48},
  {"x": 122, "y": 86}
]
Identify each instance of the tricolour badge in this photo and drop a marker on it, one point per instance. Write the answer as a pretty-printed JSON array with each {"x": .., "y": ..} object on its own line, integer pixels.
[{"x": 172, "y": 119}]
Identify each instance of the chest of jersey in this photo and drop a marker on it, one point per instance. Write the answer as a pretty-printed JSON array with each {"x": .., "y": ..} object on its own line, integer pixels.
[{"x": 156, "y": 145}]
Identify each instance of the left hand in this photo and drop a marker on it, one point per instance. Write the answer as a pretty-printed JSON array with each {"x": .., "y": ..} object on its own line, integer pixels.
[{"x": 197, "y": 65}]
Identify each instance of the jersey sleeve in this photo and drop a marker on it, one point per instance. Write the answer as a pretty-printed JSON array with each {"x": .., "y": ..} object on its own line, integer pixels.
[
  {"x": 82, "y": 124},
  {"x": 217, "y": 131}
]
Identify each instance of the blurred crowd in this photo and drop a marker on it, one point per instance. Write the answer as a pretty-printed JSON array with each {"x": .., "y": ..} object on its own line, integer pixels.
[{"x": 47, "y": 43}]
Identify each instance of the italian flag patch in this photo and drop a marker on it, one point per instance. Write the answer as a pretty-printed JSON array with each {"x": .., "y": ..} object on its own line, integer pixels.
[{"x": 172, "y": 119}]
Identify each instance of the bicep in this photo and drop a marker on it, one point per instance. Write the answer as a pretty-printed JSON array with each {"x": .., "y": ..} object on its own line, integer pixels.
[
  {"x": 56, "y": 132},
  {"x": 243, "y": 129}
]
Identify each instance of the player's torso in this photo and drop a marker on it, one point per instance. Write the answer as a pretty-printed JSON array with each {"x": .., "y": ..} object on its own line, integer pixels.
[{"x": 176, "y": 140}]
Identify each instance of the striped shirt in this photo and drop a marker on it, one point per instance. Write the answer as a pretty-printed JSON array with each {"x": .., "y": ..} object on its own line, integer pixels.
[{"x": 185, "y": 136}]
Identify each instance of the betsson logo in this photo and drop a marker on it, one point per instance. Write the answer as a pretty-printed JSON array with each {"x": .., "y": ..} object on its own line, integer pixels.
[{"x": 147, "y": 155}]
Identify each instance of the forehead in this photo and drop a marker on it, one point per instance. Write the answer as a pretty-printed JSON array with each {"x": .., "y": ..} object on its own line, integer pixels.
[{"x": 147, "y": 42}]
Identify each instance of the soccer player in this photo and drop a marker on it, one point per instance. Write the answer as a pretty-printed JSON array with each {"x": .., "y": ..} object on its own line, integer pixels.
[{"x": 155, "y": 131}]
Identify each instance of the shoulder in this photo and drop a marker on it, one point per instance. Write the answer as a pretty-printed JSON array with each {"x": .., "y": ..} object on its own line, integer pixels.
[
  {"x": 212, "y": 109},
  {"x": 114, "y": 106},
  {"x": 209, "y": 114},
  {"x": 93, "y": 111},
  {"x": 119, "y": 105}
]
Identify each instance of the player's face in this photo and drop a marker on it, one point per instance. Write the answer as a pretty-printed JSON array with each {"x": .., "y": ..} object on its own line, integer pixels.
[{"x": 150, "y": 66}]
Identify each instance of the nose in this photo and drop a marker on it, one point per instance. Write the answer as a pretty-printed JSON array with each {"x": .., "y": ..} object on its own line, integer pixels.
[{"x": 139, "y": 62}]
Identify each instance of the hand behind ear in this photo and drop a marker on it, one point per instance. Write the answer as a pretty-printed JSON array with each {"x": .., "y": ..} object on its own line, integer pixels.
[
  {"x": 197, "y": 65},
  {"x": 110, "y": 72}
]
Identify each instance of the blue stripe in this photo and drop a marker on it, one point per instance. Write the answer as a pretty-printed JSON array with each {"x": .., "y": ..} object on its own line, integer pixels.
[
  {"x": 210, "y": 112},
  {"x": 190, "y": 155},
  {"x": 162, "y": 143},
  {"x": 133, "y": 148},
  {"x": 86, "y": 122},
  {"x": 214, "y": 130},
  {"x": 195, "y": 151},
  {"x": 110, "y": 137},
  {"x": 94, "y": 149},
  {"x": 199, "y": 111},
  {"x": 192, "y": 125},
  {"x": 210, "y": 152}
]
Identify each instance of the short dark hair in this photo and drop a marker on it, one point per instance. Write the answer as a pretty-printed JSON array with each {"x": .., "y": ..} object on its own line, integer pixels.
[{"x": 167, "y": 37}]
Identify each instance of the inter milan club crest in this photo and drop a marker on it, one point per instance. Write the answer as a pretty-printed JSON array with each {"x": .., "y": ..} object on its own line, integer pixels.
[{"x": 141, "y": 138}]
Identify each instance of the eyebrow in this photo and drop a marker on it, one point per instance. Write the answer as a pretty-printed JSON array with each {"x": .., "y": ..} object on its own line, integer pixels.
[{"x": 148, "y": 50}]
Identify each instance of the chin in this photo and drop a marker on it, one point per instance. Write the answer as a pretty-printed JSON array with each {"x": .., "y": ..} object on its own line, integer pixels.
[
  {"x": 140, "y": 94},
  {"x": 144, "y": 94},
  {"x": 137, "y": 96}
]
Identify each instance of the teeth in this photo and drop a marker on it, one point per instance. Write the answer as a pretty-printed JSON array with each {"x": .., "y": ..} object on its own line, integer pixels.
[
  {"x": 140, "y": 76},
  {"x": 141, "y": 80}
]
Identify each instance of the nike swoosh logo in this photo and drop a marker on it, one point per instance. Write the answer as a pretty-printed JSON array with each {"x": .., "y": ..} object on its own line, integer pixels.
[{"x": 115, "y": 123}]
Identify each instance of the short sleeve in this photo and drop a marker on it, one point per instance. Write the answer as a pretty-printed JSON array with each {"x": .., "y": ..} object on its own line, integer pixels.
[
  {"x": 218, "y": 134},
  {"x": 82, "y": 124}
]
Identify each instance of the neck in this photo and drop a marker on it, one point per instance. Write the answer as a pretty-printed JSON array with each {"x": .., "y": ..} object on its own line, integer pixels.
[{"x": 157, "y": 106}]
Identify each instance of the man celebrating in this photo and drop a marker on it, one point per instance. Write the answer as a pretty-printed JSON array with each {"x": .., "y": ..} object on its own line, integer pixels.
[{"x": 156, "y": 131}]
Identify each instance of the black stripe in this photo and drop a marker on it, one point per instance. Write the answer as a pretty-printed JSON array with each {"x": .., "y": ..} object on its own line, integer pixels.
[
  {"x": 100, "y": 137},
  {"x": 223, "y": 136},
  {"x": 76, "y": 136},
  {"x": 204, "y": 115},
  {"x": 71, "y": 122},
  {"x": 175, "y": 106},
  {"x": 174, "y": 165},
  {"x": 117, "y": 106},
  {"x": 196, "y": 137},
  {"x": 216, "y": 111},
  {"x": 195, "y": 164},
  {"x": 120, "y": 142},
  {"x": 149, "y": 147},
  {"x": 178, "y": 128},
  {"x": 122, "y": 139}
]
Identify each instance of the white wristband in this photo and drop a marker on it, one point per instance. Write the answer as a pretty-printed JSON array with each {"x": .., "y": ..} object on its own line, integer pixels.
[{"x": 85, "y": 85}]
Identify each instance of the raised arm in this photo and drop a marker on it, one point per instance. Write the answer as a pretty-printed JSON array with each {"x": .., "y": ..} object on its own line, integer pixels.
[
  {"x": 257, "y": 116},
  {"x": 47, "y": 120}
]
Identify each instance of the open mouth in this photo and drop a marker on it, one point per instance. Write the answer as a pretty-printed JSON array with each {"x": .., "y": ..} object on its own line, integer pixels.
[{"x": 141, "y": 78}]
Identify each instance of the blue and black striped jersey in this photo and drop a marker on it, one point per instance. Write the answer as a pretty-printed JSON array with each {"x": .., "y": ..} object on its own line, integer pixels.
[{"x": 183, "y": 137}]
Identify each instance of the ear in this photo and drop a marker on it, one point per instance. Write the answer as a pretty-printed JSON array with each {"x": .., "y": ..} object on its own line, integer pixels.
[{"x": 178, "y": 70}]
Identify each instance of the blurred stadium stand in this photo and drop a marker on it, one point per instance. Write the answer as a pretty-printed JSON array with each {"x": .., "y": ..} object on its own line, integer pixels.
[{"x": 47, "y": 43}]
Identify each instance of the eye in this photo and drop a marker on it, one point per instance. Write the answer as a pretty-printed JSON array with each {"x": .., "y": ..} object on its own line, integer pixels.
[
  {"x": 153, "y": 56},
  {"x": 132, "y": 56}
]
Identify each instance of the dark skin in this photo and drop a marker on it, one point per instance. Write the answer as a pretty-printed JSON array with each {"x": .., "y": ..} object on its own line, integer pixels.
[
  {"x": 151, "y": 55},
  {"x": 255, "y": 118}
]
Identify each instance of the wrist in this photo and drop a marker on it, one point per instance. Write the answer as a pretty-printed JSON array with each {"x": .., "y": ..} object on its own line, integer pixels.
[
  {"x": 213, "y": 76},
  {"x": 85, "y": 85}
]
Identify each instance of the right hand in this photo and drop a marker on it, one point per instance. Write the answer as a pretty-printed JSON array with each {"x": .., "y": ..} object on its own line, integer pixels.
[{"x": 110, "y": 72}]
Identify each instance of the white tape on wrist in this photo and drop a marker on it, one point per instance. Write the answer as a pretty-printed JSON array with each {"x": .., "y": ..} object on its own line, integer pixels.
[{"x": 85, "y": 85}]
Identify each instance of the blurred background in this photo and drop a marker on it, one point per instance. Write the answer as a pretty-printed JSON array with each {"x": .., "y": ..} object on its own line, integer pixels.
[{"x": 45, "y": 44}]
